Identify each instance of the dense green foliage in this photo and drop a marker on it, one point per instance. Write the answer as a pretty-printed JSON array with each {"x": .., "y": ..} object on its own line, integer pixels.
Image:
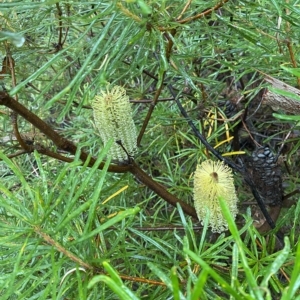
[{"x": 69, "y": 230}]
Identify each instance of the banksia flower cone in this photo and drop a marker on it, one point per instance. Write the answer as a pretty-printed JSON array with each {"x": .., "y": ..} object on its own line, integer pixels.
[
  {"x": 113, "y": 119},
  {"x": 212, "y": 181}
]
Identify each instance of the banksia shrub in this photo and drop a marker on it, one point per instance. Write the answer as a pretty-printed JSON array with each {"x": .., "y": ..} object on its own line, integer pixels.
[
  {"x": 113, "y": 119},
  {"x": 212, "y": 181}
]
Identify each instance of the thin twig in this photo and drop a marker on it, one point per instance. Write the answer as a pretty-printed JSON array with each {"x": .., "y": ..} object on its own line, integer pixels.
[
  {"x": 204, "y": 13},
  {"x": 14, "y": 116},
  {"x": 150, "y": 111},
  {"x": 160, "y": 190},
  {"x": 58, "y": 140},
  {"x": 59, "y": 13},
  {"x": 184, "y": 9},
  {"x": 61, "y": 249},
  {"x": 169, "y": 37}
]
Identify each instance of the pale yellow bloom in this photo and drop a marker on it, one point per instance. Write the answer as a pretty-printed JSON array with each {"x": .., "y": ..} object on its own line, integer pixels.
[
  {"x": 214, "y": 180},
  {"x": 113, "y": 119}
]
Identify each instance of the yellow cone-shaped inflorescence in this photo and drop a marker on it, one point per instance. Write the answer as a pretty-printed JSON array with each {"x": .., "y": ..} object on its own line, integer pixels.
[
  {"x": 213, "y": 180},
  {"x": 113, "y": 119}
]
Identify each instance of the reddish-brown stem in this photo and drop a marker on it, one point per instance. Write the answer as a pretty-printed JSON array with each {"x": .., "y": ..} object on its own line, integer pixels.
[
  {"x": 168, "y": 51},
  {"x": 150, "y": 111},
  {"x": 184, "y": 9},
  {"x": 58, "y": 140},
  {"x": 160, "y": 190},
  {"x": 14, "y": 116},
  {"x": 142, "y": 280},
  {"x": 62, "y": 249},
  {"x": 292, "y": 56},
  {"x": 204, "y": 13},
  {"x": 68, "y": 146}
]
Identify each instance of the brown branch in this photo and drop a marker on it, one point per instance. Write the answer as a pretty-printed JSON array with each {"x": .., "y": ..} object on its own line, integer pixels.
[
  {"x": 149, "y": 100},
  {"x": 184, "y": 9},
  {"x": 204, "y": 13},
  {"x": 41, "y": 149},
  {"x": 59, "y": 13},
  {"x": 168, "y": 36},
  {"x": 14, "y": 116},
  {"x": 61, "y": 249},
  {"x": 142, "y": 280},
  {"x": 58, "y": 140},
  {"x": 18, "y": 153},
  {"x": 68, "y": 146},
  {"x": 160, "y": 190},
  {"x": 150, "y": 111},
  {"x": 143, "y": 70},
  {"x": 59, "y": 45},
  {"x": 291, "y": 52}
]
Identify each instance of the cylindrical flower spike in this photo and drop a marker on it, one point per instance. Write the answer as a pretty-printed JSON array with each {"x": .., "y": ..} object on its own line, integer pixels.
[
  {"x": 113, "y": 119},
  {"x": 214, "y": 180}
]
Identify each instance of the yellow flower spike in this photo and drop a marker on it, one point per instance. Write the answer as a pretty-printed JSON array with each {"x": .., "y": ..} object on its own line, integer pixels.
[
  {"x": 113, "y": 119},
  {"x": 213, "y": 180}
]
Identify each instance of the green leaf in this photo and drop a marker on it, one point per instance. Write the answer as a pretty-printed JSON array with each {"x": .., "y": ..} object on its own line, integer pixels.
[
  {"x": 111, "y": 222},
  {"x": 114, "y": 282},
  {"x": 175, "y": 284},
  {"x": 199, "y": 288},
  {"x": 113, "y": 274},
  {"x": 159, "y": 273},
  {"x": 273, "y": 268},
  {"x": 253, "y": 286},
  {"x": 234, "y": 267},
  {"x": 115, "y": 287},
  {"x": 284, "y": 93},
  {"x": 145, "y": 9},
  {"x": 293, "y": 71},
  {"x": 286, "y": 117},
  {"x": 276, "y": 4},
  {"x": 18, "y": 173},
  {"x": 217, "y": 278},
  {"x": 294, "y": 283}
]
